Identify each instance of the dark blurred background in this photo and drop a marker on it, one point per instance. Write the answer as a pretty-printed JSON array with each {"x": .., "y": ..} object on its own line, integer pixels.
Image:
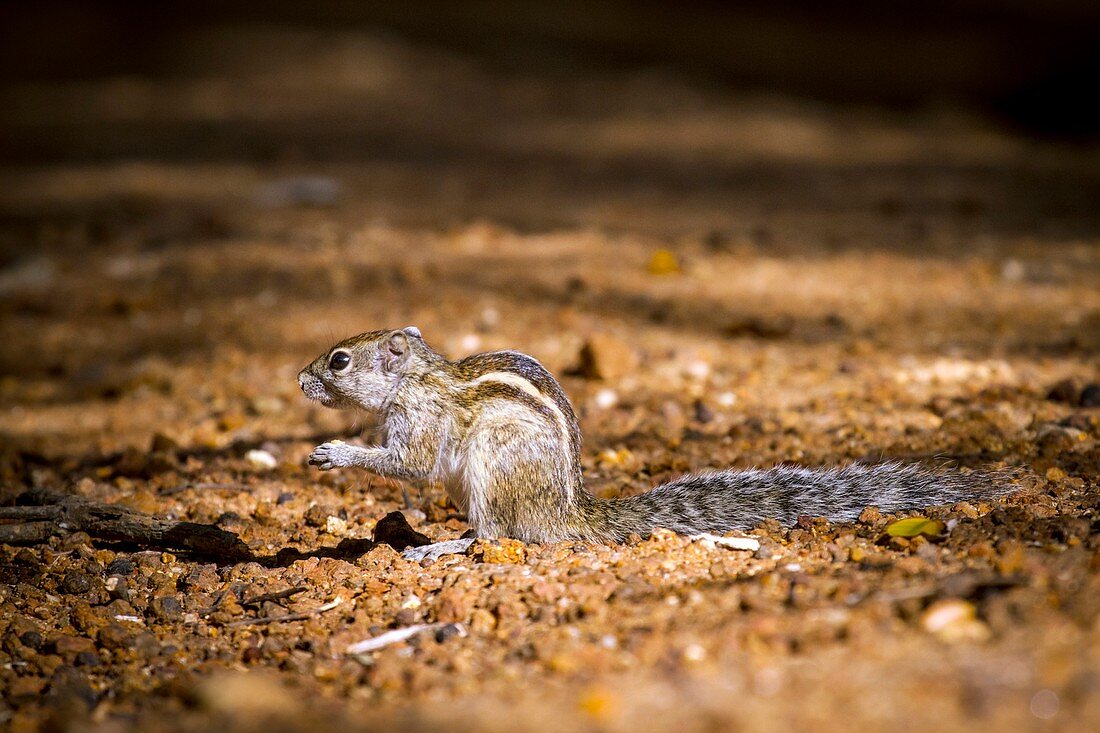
[
  {"x": 932, "y": 125},
  {"x": 1033, "y": 65}
]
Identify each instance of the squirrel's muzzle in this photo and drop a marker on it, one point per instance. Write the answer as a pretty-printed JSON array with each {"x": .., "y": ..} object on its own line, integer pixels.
[{"x": 313, "y": 388}]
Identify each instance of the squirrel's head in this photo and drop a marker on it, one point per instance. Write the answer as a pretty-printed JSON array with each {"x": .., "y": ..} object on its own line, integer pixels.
[{"x": 361, "y": 372}]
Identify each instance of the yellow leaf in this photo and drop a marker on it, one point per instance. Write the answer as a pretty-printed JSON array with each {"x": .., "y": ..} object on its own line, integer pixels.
[
  {"x": 663, "y": 262},
  {"x": 914, "y": 526}
]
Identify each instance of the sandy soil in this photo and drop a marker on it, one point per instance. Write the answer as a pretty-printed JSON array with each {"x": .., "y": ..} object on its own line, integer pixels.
[{"x": 777, "y": 281}]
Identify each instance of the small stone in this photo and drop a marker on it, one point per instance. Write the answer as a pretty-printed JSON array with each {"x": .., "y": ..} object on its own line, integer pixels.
[
  {"x": 318, "y": 514},
  {"x": 1063, "y": 391},
  {"x": 762, "y": 328},
  {"x": 25, "y": 687},
  {"x": 336, "y": 526},
  {"x": 87, "y": 659},
  {"x": 1010, "y": 558},
  {"x": 449, "y": 631},
  {"x": 606, "y": 357},
  {"x": 121, "y": 566},
  {"x": 163, "y": 443},
  {"x": 503, "y": 550},
  {"x": 966, "y": 509},
  {"x": 606, "y": 398},
  {"x": 166, "y": 608},
  {"x": 32, "y": 639},
  {"x": 870, "y": 515},
  {"x": 231, "y": 421},
  {"x": 405, "y": 617},
  {"x": 482, "y": 622},
  {"x": 953, "y": 620},
  {"x": 394, "y": 530},
  {"x": 76, "y": 583},
  {"x": 69, "y": 646},
  {"x": 703, "y": 414},
  {"x": 1055, "y": 474},
  {"x": 267, "y": 405},
  {"x": 1054, "y": 440},
  {"x": 113, "y": 636},
  {"x": 261, "y": 459}
]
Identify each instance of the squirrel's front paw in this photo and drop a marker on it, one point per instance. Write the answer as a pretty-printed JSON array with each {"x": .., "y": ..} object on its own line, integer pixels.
[{"x": 334, "y": 454}]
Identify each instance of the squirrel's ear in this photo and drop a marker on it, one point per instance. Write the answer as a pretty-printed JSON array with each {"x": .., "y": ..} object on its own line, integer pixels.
[
  {"x": 396, "y": 351},
  {"x": 413, "y": 331}
]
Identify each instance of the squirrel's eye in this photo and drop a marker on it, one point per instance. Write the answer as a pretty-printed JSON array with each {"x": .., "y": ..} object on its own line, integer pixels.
[{"x": 339, "y": 360}]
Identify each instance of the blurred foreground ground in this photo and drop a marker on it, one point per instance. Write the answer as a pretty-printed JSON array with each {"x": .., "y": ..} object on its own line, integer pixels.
[{"x": 841, "y": 285}]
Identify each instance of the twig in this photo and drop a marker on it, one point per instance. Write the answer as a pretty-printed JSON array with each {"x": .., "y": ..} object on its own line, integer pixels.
[
  {"x": 278, "y": 596},
  {"x": 29, "y": 513},
  {"x": 289, "y": 617},
  {"x": 750, "y": 544},
  {"x": 26, "y": 532},
  {"x": 397, "y": 635},
  {"x": 113, "y": 523}
]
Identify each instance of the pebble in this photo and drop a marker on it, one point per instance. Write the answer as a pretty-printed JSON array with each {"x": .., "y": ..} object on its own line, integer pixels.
[
  {"x": 606, "y": 357},
  {"x": 318, "y": 514},
  {"x": 76, "y": 583},
  {"x": 450, "y": 631},
  {"x": 261, "y": 459},
  {"x": 113, "y": 636},
  {"x": 605, "y": 399},
  {"x": 1053, "y": 440},
  {"x": 953, "y": 620},
  {"x": 1063, "y": 391},
  {"x": 166, "y": 608},
  {"x": 336, "y": 526},
  {"x": 870, "y": 515}
]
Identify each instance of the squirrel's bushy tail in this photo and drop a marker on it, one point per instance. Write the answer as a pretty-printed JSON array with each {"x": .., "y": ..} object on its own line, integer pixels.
[{"x": 726, "y": 500}]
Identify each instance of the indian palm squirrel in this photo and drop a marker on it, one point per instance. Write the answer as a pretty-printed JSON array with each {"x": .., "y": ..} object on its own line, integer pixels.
[{"x": 497, "y": 431}]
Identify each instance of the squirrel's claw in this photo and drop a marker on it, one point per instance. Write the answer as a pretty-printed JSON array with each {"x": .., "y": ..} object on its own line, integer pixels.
[{"x": 328, "y": 456}]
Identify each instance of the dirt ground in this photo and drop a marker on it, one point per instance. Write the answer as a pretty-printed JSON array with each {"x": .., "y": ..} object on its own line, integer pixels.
[{"x": 769, "y": 280}]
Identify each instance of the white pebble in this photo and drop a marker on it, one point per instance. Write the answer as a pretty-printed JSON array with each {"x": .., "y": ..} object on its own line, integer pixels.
[
  {"x": 261, "y": 459},
  {"x": 695, "y": 653},
  {"x": 697, "y": 369},
  {"x": 606, "y": 398},
  {"x": 470, "y": 343},
  {"x": 710, "y": 541},
  {"x": 336, "y": 526}
]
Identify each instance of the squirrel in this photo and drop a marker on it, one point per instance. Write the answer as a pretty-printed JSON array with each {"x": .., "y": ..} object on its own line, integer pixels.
[{"x": 498, "y": 432}]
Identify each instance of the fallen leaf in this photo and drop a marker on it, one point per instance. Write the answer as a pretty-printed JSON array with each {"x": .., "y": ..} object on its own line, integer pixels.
[{"x": 913, "y": 526}]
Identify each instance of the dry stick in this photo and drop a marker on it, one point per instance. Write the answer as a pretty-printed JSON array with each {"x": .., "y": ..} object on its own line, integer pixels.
[
  {"x": 26, "y": 532},
  {"x": 289, "y": 617},
  {"x": 278, "y": 596},
  {"x": 119, "y": 524},
  {"x": 29, "y": 513}
]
